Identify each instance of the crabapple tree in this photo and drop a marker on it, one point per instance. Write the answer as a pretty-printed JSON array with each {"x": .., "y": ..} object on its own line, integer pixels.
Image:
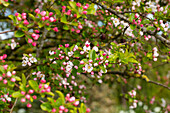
[{"x": 53, "y": 51}]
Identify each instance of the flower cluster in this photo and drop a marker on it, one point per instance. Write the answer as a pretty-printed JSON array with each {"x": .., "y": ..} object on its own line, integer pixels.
[
  {"x": 13, "y": 44},
  {"x": 155, "y": 53},
  {"x": 8, "y": 77},
  {"x": 6, "y": 97},
  {"x": 28, "y": 60}
]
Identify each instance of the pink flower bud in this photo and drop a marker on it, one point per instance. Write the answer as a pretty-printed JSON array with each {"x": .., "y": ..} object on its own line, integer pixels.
[
  {"x": 22, "y": 92},
  {"x": 55, "y": 29},
  {"x": 29, "y": 105},
  {"x": 40, "y": 86},
  {"x": 50, "y": 13},
  {"x": 13, "y": 79},
  {"x": 43, "y": 81},
  {"x": 25, "y": 22},
  {"x": 45, "y": 86},
  {"x": 76, "y": 103},
  {"x": 141, "y": 25},
  {"x": 78, "y": 4},
  {"x": 34, "y": 97},
  {"x": 66, "y": 45},
  {"x": 19, "y": 18},
  {"x": 85, "y": 7},
  {"x": 52, "y": 19},
  {"x": 34, "y": 44},
  {"x": 61, "y": 108},
  {"x": 37, "y": 31},
  {"x": 31, "y": 91},
  {"x": 5, "y": 81},
  {"x": 27, "y": 96},
  {"x": 66, "y": 110},
  {"x": 16, "y": 14},
  {"x": 24, "y": 17},
  {"x": 77, "y": 31},
  {"x": 136, "y": 15},
  {"x": 1, "y": 78},
  {"x": 23, "y": 100},
  {"x": 43, "y": 13},
  {"x": 72, "y": 99},
  {"x": 37, "y": 11},
  {"x": 85, "y": 12},
  {"x": 88, "y": 110},
  {"x": 13, "y": 72},
  {"x": 30, "y": 40},
  {"x": 80, "y": 26},
  {"x": 43, "y": 18},
  {"x": 54, "y": 110}
]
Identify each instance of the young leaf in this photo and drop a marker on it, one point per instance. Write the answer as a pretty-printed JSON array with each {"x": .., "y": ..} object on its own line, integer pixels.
[
  {"x": 19, "y": 34},
  {"x": 16, "y": 94},
  {"x": 33, "y": 84}
]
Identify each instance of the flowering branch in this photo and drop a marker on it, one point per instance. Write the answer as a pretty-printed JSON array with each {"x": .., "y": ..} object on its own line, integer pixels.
[{"x": 122, "y": 17}]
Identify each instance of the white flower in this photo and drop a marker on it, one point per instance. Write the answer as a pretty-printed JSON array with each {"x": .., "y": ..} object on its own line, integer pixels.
[
  {"x": 140, "y": 103},
  {"x": 145, "y": 107},
  {"x": 85, "y": 48},
  {"x": 68, "y": 68},
  {"x": 163, "y": 102},
  {"x": 157, "y": 109},
  {"x": 32, "y": 59},
  {"x": 24, "y": 63},
  {"x": 70, "y": 63},
  {"x": 128, "y": 31},
  {"x": 9, "y": 74},
  {"x": 116, "y": 22},
  {"x": 100, "y": 81},
  {"x": 51, "y": 52},
  {"x": 13, "y": 45},
  {"x": 7, "y": 98},
  {"x": 42, "y": 76},
  {"x": 70, "y": 53},
  {"x": 88, "y": 67},
  {"x": 96, "y": 48},
  {"x": 95, "y": 64}
]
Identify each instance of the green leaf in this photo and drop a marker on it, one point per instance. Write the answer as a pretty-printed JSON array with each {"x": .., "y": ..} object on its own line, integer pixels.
[
  {"x": 145, "y": 21},
  {"x": 132, "y": 27},
  {"x": 61, "y": 96},
  {"x": 63, "y": 19},
  {"x": 40, "y": 24},
  {"x": 33, "y": 84},
  {"x": 132, "y": 16},
  {"x": 46, "y": 106},
  {"x": 31, "y": 15},
  {"x": 66, "y": 27},
  {"x": 19, "y": 34},
  {"x": 150, "y": 28},
  {"x": 12, "y": 17},
  {"x": 17, "y": 78},
  {"x": 72, "y": 4},
  {"x": 82, "y": 108},
  {"x": 16, "y": 94},
  {"x": 92, "y": 54},
  {"x": 23, "y": 79}
]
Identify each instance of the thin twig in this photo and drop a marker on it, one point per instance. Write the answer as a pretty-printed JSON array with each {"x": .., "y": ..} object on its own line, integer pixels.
[
  {"x": 6, "y": 31},
  {"x": 159, "y": 84},
  {"x": 13, "y": 105}
]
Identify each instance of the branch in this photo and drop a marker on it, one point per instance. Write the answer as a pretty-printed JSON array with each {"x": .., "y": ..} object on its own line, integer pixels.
[
  {"x": 122, "y": 17},
  {"x": 6, "y": 31},
  {"x": 13, "y": 105},
  {"x": 159, "y": 84},
  {"x": 138, "y": 76}
]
